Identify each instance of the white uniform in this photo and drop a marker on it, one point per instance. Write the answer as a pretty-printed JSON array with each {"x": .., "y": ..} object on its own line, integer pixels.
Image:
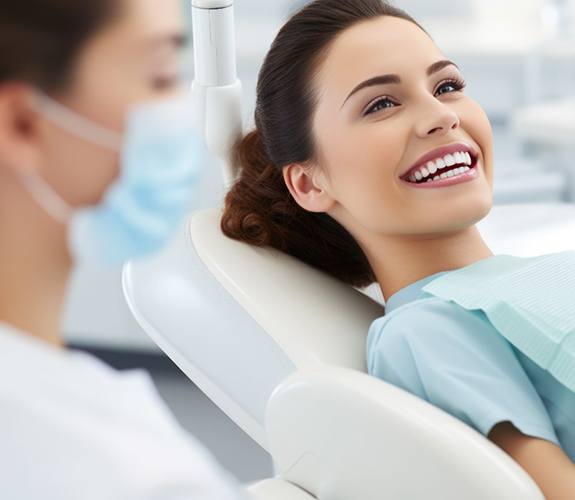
[{"x": 71, "y": 428}]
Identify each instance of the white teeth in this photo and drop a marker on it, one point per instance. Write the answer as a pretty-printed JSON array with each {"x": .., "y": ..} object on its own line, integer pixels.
[
  {"x": 460, "y": 157},
  {"x": 449, "y": 160},
  {"x": 452, "y": 173}
]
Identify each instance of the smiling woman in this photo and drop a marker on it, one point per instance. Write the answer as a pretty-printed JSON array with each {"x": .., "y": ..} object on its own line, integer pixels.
[
  {"x": 371, "y": 163},
  {"x": 259, "y": 208},
  {"x": 352, "y": 97}
]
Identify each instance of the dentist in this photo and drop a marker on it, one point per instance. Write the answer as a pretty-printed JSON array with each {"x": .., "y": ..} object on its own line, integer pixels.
[{"x": 97, "y": 159}]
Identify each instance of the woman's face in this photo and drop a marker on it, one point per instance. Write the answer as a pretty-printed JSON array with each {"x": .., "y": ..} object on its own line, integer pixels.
[
  {"x": 366, "y": 139},
  {"x": 136, "y": 58}
]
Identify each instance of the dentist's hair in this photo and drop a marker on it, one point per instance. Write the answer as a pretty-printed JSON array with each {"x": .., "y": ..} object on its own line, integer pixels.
[
  {"x": 39, "y": 39},
  {"x": 259, "y": 208}
]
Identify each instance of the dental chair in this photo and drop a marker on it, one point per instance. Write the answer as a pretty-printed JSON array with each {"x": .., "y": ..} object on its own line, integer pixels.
[{"x": 280, "y": 346}]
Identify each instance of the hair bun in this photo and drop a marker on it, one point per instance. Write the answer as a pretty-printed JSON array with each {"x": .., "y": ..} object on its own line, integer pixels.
[
  {"x": 260, "y": 210},
  {"x": 259, "y": 191}
]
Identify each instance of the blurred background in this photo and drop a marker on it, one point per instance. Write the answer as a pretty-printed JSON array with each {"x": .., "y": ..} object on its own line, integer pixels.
[{"x": 518, "y": 59}]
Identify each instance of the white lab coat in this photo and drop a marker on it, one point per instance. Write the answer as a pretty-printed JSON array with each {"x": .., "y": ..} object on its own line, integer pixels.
[{"x": 71, "y": 428}]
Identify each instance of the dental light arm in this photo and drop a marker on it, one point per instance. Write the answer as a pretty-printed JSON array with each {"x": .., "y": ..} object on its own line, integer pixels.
[{"x": 216, "y": 85}]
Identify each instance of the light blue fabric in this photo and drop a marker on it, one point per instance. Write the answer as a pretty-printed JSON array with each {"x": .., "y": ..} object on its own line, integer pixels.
[
  {"x": 456, "y": 359},
  {"x": 162, "y": 158},
  {"x": 530, "y": 300}
]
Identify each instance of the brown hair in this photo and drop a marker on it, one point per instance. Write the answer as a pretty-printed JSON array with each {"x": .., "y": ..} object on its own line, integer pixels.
[
  {"x": 39, "y": 39},
  {"x": 259, "y": 208}
]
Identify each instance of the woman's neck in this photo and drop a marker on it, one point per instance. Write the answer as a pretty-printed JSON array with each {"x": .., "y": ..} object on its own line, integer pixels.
[
  {"x": 400, "y": 261},
  {"x": 34, "y": 265}
]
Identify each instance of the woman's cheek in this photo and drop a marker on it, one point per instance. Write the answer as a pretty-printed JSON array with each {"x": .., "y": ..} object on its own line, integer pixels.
[{"x": 476, "y": 123}]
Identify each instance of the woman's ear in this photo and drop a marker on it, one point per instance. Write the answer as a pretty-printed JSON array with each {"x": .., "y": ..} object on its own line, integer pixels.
[
  {"x": 307, "y": 186},
  {"x": 18, "y": 128}
]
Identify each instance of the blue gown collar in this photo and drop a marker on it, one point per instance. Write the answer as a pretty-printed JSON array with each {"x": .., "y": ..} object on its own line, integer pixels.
[{"x": 410, "y": 292}]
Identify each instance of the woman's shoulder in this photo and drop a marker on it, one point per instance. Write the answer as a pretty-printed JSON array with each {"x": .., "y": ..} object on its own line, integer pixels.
[
  {"x": 457, "y": 360},
  {"x": 435, "y": 326},
  {"x": 428, "y": 314}
]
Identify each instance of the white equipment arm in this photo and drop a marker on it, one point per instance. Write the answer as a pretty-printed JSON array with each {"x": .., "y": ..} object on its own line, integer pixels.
[{"x": 216, "y": 87}]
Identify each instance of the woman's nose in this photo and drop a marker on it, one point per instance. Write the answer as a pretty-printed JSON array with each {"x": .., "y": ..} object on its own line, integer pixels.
[{"x": 438, "y": 119}]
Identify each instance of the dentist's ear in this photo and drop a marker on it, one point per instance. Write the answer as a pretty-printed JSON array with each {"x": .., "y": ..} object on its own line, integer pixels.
[
  {"x": 306, "y": 183},
  {"x": 19, "y": 128}
]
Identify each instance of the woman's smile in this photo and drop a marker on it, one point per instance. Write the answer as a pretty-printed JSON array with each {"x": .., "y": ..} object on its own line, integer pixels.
[
  {"x": 444, "y": 166},
  {"x": 449, "y": 177}
]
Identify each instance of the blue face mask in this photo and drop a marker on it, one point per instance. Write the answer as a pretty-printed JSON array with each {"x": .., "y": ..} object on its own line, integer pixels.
[{"x": 161, "y": 159}]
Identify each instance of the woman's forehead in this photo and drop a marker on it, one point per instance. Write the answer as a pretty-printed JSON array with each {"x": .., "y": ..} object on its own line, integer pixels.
[{"x": 378, "y": 46}]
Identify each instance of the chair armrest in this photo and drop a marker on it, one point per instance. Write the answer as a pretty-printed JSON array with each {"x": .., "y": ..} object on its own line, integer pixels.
[{"x": 342, "y": 434}]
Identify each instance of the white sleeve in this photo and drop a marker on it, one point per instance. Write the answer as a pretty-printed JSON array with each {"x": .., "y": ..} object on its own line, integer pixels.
[{"x": 189, "y": 473}]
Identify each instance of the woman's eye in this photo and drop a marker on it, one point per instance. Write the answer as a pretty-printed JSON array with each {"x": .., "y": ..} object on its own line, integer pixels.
[
  {"x": 455, "y": 85},
  {"x": 379, "y": 104}
]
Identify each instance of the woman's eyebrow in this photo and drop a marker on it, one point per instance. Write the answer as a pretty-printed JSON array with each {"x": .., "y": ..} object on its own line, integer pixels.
[{"x": 395, "y": 79}]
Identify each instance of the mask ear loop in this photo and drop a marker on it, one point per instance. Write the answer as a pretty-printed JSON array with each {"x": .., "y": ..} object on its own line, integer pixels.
[
  {"x": 77, "y": 124},
  {"x": 46, "y": 197}
]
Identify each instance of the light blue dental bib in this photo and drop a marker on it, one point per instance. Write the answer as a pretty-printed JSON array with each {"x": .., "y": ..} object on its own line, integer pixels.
[{"x": 530, "y": 301}]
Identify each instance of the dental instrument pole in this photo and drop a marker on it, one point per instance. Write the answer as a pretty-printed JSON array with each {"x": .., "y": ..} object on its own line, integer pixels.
[{"x": 216, "y": 87}]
